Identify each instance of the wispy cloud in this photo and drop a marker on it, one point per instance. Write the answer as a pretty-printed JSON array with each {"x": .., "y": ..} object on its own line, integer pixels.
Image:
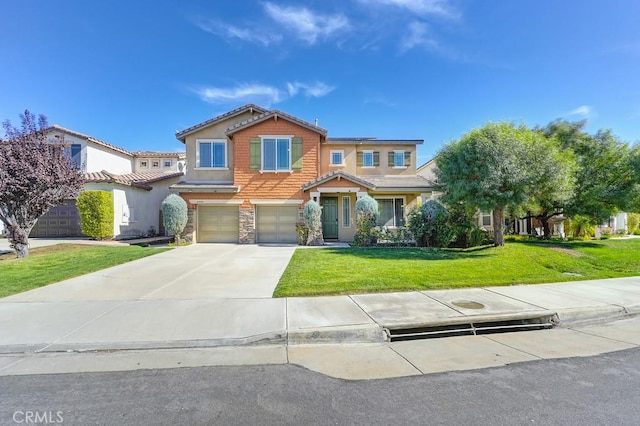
[
  {"x": 583, "y": 111},
  {"x": 442, "y": 8},
  {"x": 230, "y": 32},
  {"x": 306, "y": 24},
  {"x": 418, "y": 35},
  {"x": 263, "y": 94},
  {"x": 379, "y": 100}
]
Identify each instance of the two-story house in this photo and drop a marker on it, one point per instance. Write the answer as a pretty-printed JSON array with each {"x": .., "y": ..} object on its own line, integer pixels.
[
  {"x": 139, "y": 181},
  {"x": 252, "y": 170}
]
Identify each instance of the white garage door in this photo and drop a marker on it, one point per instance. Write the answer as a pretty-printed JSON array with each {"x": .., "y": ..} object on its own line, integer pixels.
[
  {"x": 277, "y": 224},
  {"x": 218, "y": 224}
]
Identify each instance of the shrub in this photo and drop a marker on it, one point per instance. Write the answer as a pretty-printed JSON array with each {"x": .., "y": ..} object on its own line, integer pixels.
[
  {"x": 174, "y": 215},
  {"x": 303, "y": 233},
  {"x": 466, "y": 231},
  {"x": 579, "y": 227},
  {"x": 312, "y": 220},
  {"x": 430, "y": 225},
  {"x": 96, "y": 213},
  {"x": 633, "y": 220},
  {"x": 366, "y": 217}
]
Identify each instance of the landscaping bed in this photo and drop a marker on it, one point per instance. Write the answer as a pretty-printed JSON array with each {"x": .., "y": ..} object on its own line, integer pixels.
[
  {"x": 352, "y": 270},
  {"x": 51, "y": 264}
]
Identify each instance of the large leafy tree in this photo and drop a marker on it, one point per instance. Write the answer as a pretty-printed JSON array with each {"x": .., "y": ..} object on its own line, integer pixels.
[
  {"x": 607, "y": 176},
  {"x": 35, "y": 175},
  {"x": 492, "y": 168}
]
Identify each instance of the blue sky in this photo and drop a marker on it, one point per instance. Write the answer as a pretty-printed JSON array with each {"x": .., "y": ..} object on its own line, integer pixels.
[{"x": 132, "y": 73}]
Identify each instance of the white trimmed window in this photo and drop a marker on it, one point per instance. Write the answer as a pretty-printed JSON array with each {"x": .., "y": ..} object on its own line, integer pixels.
[
  {"x": 398, "y": 158},
  {"x": 212, "y": 154},
  {"x": 486, "y": 219},
  {"x": 337, "y": 158},
  {"x": 144, "y": 164},
  {"x": 276, "y": 154},
  {"x": 367, "y": 159},
  {"x": 167, "y": 163},
  {"x": 155, "y": 164},
  {"x": 346, "y": 212},
  {"x": 391, "y": 211}
]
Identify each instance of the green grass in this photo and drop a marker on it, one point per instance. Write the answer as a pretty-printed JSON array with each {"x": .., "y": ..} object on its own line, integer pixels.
[
  {"x": 47, "y": 265},
  {"x": 363, "y": 270}
]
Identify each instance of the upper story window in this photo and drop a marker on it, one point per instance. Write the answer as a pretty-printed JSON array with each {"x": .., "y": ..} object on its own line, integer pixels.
[
  {"x": 74, "y": 153},
  {"x": 167, "y": 163},
  {"x": 276, "y": 154},
  {"x": 212, "y": 154},
  {"x": 155, "y": 164},
  {"x": 368, "y": 159},
  {"x": 144, "y": 164},
  {"x": 337, "y": 158},
  {"x": 400, "y": 159}
]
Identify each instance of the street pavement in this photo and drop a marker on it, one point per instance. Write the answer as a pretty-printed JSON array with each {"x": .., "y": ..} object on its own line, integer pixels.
[{"x": 211, "y": 304}]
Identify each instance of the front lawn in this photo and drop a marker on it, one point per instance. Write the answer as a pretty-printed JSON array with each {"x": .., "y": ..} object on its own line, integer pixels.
[
  {"x": 364, "y": 270},
  {"x": 47, "y": 265}
]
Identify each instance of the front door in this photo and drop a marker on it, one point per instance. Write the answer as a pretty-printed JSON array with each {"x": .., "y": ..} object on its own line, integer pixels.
[{"x": 329, "y": 217}]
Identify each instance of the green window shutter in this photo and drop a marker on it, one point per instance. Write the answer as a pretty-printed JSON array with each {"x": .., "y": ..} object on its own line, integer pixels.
[
  {"x": 407, "y": 158},
  {"x": 391, "y": 159},
  {"x": 256, "y": 153},
  {"x": 376, "y": 159},
  {"x": 296, "y": 153},
  {"x": 359, "y": 158}
]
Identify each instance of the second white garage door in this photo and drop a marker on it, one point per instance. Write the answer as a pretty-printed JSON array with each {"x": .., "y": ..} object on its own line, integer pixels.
[
  {"x": 218, "y": 224},
  {"x": 277, "y": 224}
]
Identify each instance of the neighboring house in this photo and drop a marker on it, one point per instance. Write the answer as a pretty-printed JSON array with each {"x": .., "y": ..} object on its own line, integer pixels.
[
  {"x": 254, "y": 169},
  {"x": 137, "y": 191}
]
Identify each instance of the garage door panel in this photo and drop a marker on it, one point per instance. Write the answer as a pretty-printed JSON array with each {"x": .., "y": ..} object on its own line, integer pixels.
[
  {"x": 59, "y": 221},
  {"x": 277, "y": 224},
  {"x": 218, "y": 224}
]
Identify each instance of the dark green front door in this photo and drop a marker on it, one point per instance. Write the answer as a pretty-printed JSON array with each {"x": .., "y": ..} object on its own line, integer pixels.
[{"x": 330, "y": 217}]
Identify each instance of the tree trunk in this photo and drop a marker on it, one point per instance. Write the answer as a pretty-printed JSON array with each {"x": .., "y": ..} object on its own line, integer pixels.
[
  {"x": 19, "y": 240},
  {"x": 546, "y": 227},
  {"x": 498, "y": 232}
]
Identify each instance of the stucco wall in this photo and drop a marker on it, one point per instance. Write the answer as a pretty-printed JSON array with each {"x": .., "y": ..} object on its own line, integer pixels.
[
  {"x": 350, "y": 159},
  {"x": 99, "y": 158}
]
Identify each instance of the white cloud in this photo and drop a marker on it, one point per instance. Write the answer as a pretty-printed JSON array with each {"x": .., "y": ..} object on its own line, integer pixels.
[
  {"x": 418, "y": 35},
  {"x": 442, "y": 8},
  {"x": 260, "y": 93},
  {"x": 307, "y": 25},
  {"x": 228, "y": 31},
  {"x": 583, "y": 111}
]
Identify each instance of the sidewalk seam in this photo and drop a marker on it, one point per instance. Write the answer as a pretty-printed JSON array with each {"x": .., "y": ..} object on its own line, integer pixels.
[
  {"x": 511, "y": 347},
  {"x": 406, "y": 359}
]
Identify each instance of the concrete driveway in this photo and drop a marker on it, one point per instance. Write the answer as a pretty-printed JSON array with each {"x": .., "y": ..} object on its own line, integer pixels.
[{"x": 199, "y": 271}]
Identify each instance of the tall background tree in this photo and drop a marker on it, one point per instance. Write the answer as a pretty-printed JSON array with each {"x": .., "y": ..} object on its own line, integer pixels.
[{"x": 34, "y": 176}]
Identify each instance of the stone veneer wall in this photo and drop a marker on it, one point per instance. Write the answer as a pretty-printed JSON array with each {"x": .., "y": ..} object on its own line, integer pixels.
[
  {"x": 187, "y": 234},
  {"x": 247, "y": 226}
]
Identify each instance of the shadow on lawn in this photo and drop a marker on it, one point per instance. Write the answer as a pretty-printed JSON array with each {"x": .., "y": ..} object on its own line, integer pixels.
[
  {"x": 596, "y": 244},
  {"x": 411, "y": 253}
]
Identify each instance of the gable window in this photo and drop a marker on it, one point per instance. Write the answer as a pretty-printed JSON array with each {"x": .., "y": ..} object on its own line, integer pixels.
[
  {"x": 391, "y": 212},
  {"x": 212, "y": 154},
  {"x": 276, "y": 154},
  {"x": 346, "y": 212},
  {"x": 155, "y": 164},
  {"x": 74, "y": 153},
  {"x": 337, "y": 158},
  {"x": 167, "y": 163},
  {"x": 144, "y": 164}
]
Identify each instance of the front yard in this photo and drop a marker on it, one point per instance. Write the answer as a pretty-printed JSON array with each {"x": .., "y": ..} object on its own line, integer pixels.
[
  {"x": 362, "y": 270},
  {"x": 47, "y": 265}
]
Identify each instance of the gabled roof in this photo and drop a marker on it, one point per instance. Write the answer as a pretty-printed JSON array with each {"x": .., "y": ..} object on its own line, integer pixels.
[
  {"x": 334, "y": 175},
  {"x": 139, "y": 180},
  {"x": 276, "y": 114},
  {"x": 89, "y": 138},
  {"x": 233, "y": 113},
  {"x": 427, "y": 164},
  {"x": 154, "y": 154},
  {"x": 386, "y": 183},
  {"x": 372, "y": 141}
]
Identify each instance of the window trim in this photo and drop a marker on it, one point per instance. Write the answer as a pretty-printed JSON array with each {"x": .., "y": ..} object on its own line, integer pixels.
[
  {"x": 404, "y": 205},
  {"x": 346, "y": 213},
  {"x": 170, "y": 163},
  {"x": 364, "y": 154},
  {"x": 336, "y": 151},
  {"x": 396, "y": 152},
  {"x": 144, "y": 164},
  {"x": 289, "y": 138},
  {"x": 155, "y": 164},
  {"x": 212, "y": 141}
]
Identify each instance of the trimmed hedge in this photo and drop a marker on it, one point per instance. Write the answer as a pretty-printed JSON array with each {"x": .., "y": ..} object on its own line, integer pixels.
[
  {"x": 174, "y": 215},
  {"x": 96, "y": 213}
]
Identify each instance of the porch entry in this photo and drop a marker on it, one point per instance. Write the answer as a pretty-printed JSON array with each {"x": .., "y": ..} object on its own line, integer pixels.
[{"x": 329, "y": 217}]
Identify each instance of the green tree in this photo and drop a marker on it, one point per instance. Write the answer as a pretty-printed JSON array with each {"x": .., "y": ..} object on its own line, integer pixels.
[
  {"x": 96, "y": 213},
  {"x": 174, "y": 215},
  {"x": 607, "y": 178},
  {"x": 489, "y": 169},
  {"x": 312, "y": 216}
]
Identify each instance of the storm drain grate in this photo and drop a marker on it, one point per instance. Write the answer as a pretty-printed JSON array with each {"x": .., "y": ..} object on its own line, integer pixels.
[{"x": 471, "y": 328}]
